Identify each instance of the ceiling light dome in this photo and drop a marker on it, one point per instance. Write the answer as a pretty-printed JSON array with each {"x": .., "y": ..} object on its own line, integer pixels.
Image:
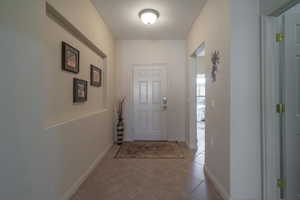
[{"x": 149, "y": 16}]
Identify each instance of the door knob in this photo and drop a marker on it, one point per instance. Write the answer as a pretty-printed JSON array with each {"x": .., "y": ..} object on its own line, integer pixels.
[{"x": 165, "y": 102}]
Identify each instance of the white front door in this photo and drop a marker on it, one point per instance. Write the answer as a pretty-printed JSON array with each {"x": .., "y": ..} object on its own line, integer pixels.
[
  {"x": 150, "y": 103},
  {"x": 291, "y": 139}
]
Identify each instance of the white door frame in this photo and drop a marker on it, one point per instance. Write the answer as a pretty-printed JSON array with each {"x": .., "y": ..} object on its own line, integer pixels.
[
  {"x": 270, "y": 97},
  {"x": 131, "y": 135},
  {"x": 192, "y": 132},
  {"x": 192, "y": 99},
  {"x": 271, "y": 24}
]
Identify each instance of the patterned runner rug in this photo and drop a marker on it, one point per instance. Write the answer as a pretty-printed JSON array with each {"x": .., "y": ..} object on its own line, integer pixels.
[{"x": 150, "y": 150}]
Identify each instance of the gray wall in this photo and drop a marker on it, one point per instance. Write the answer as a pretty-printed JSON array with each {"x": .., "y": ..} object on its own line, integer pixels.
[
  {"x": 245, "y": 133},
  {"x": 21, "y": 116}
]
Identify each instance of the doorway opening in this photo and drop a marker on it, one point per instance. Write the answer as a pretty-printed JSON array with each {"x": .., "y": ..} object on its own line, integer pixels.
[
  {"x": 196, "y": 103},
  {"x": 200, "y": 101},
  {"x": 281, "y": 113}
]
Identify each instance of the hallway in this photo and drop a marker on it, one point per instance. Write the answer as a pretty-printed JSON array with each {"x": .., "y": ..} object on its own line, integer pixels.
[{"x": 148, "y": 179}]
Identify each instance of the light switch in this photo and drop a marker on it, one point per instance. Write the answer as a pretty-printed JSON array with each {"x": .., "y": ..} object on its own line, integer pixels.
[
  {"x": 212, "y": 142},
  {"x": 212, "y": 103}
]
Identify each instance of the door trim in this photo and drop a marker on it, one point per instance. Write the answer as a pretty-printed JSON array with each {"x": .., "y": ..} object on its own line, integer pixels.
[
  {"x": 193, "y": 60},
  {"x": 131, "y": 134},
  {"x": 192, "y": 121},
  {"x": 284, "y": 8},
  {"x": 270, "y": 87}
]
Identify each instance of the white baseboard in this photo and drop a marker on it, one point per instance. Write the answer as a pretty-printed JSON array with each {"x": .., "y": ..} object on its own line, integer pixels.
[
  {"x": 220, "y": 188},
  {"x": 73, "y": 189}
]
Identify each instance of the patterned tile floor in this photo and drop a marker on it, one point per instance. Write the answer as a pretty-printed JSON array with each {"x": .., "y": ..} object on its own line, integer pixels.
[{"x": 148, "y": 179}]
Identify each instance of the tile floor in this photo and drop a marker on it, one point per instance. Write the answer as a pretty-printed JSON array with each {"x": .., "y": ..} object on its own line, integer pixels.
[{"x": 148, "y": 179}]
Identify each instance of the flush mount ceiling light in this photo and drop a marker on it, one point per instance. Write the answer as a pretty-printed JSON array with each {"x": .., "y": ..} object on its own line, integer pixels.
[{"x": 149, "y": 16}]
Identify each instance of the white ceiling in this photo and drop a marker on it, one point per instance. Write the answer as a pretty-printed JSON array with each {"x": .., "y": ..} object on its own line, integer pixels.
[{"x": 176, "y": 18}]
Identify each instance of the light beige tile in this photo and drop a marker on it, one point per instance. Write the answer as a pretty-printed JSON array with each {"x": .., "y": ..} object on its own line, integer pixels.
[{"x": 148, "y": 179}]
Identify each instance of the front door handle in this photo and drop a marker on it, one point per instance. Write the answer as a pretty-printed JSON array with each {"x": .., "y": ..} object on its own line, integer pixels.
[{"x": 165, "y": 102}]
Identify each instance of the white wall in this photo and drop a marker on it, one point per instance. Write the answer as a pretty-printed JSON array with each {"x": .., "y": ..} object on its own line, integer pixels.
[
  {"x": 212, "y": 27},
  {"x": 58, "y": 83},
  {"x": 169, "y": 52},
  {"x": 245, "y": 132},
  {"x": 233, "y": 102},
  {"x": 41, "y": 162}
]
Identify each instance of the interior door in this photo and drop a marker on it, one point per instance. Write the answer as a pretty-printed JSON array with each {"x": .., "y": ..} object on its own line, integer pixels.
[
  {"x": 291, "y": 139},
  {"x": 150, "y": 103}
]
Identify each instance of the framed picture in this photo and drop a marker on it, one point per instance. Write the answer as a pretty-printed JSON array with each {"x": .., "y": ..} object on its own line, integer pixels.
[
  {"x": 79, "y": 90},
  {"x": 70, "y": 58},
  {"x": 96, "y": 76}
]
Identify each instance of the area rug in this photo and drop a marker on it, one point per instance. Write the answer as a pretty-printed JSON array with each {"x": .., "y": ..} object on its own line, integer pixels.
[{"x": 150, "y": 150}]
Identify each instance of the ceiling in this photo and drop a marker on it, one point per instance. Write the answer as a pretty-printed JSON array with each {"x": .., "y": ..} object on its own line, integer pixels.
[{"x": 176, "y": 18}]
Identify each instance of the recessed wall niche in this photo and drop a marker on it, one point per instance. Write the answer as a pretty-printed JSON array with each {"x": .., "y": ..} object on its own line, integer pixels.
[{"x": 59, "y": 107}]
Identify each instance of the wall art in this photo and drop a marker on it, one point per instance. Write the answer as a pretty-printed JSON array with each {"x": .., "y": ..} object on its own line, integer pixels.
[
  {"x": 215, "y": 59},
  {"x": 79, "y": 90},
  {"x": 96, "y": 76},
  {"x": 70, "y": 58}
]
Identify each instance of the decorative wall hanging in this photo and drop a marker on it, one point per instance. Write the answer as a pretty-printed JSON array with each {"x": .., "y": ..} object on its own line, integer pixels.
[
  {"x": 96, "y": 76},
  {"x": 79, "y": 90},
  {"x": 70, "y": 58},
  {"x": 215, "y": 59}
]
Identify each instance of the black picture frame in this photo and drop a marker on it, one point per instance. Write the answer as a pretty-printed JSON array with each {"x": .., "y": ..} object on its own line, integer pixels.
[
  {"x": 96, "y": 76},
  {"x": 80, "y": 90},
  {"x": 70, "y": 58}
]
